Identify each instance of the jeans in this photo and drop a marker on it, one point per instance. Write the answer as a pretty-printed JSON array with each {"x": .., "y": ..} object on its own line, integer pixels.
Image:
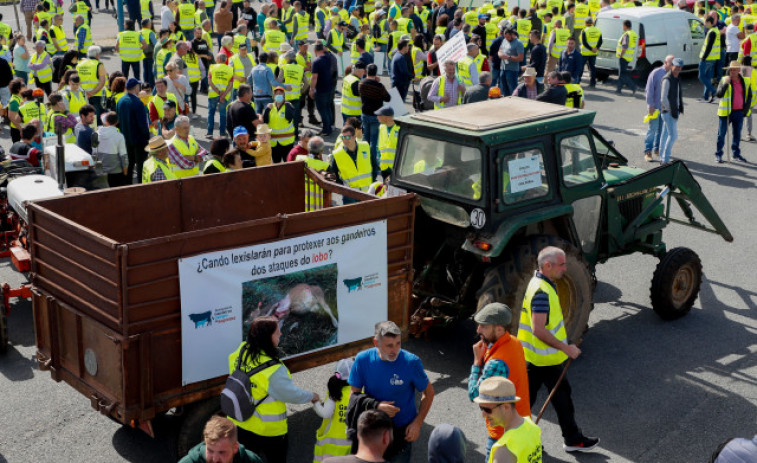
[
  {"x": 297, "y": 118},
  {"x": 370, "y": 134},
  {"x": 496, "y": 72},
  {"x": 22, "y": 74},
  {"x": 134, "y": 65},
  {"x": 399, "y": 451},
  {"x": 652, "y": 139},
  {"x": 561, "y": 401},
  {"x": 736, "y": 118},
  {"x": 5, "y": 96},
  {"x": 669, "y": 135},
  {"x": 624, "y": 77},
  {"x": 323, "y": 104},
  {"x": 209, "y": 12},
  {"x": 148, "y": 74},
  {"x": 508, "y": 83},
  {"x": 261, "y": 103},
  {"x": 591, "y": 61},
  {"x": 706, "y": 73},
  {"x": 213, "y": 103}
]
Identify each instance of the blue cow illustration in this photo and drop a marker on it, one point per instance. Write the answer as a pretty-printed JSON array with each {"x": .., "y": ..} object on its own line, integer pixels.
[
  {"x": 201, "y": 319},
  {"x": 353, "y": 284}
]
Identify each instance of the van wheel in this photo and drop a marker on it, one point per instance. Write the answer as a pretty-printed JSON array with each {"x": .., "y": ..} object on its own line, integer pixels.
[
  {"x": 195, "y": 417},
  {"x": 507, "y": 283}
]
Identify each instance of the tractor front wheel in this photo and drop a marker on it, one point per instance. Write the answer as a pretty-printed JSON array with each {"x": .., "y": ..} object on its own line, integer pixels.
[
  {"x": 507, "y": 283},
  {"x": 676, "y": 282}
]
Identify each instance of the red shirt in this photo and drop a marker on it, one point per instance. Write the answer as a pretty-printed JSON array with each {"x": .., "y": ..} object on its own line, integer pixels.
[
  {"x": 737, "y": 99},
  {"x": 296, "y": 151}
]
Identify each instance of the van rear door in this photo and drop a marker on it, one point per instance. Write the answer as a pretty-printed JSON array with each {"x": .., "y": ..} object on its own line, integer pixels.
[{"x": 611, "y": 27}]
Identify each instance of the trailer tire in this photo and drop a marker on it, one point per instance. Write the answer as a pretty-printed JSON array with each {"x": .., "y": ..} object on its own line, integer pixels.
[
  {"x": 195, "y": 417},
  {"x": 676, "y": 283},
  {"x": 3, "y": 328},
  {"x": 507, "y": 283}
]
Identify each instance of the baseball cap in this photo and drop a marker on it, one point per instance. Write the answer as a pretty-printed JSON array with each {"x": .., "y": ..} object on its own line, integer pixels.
[
  {"x": 678, "y": 62},
  {"x": 279, "y": 89},
  {"x": 169, "y": 104},
  {"x": 131, "y": 83},
  {"x": 384, "y": 111},
  {"x": 496, "y": 389},
  {"x": 387, "y": 328},
  {"x": 494, "y": 313},
  {"x": 343, "y": 368},
  {"x": 240, "y": 130}
]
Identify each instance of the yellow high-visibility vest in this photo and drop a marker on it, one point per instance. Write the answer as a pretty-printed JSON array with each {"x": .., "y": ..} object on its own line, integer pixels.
[
  {"x": 68, "y": 135},
  {"x": 87, "y": 70},
  {"x": 313, "y": 192},
  {"x": 303, "y": 19},
  {"x": 186, "y": 16},
  {"x": 630, "y": 52},
  {"x": 715, "y": 50},
  {"x": 32, "y": 110},
  {"x": 144, "y": 6},
  {"x": 356, "y": 175},
  {"x": 220, "y": 75},
  {"x": 282, "y": 130},
  {"x": 536, "y": 351},
  {"x": 331, "y": 437},
  {"x": 45, "y": 74},
  {"x": 151, "y": 165},
  {"x": 193, "y": 67},
  {"x": 293, "y": 73},
  {"x": 463, "y": 70},
  {"x": 87, "y": 37},
  {"x": 581, "y": 13},
  {"x": 75, "y": 100},
  {"x": 387, "y": 145},
  {"x": 160, "y": 57},
  {"x": 130, "y": 46},
  {"x": 561, "y": 40},
  {"x": 186, "y": 148},
  {"x": 59, "y": 37},
  {"x": 350, "y": 101},
  {"x": 238, "y": 66},
  {"x": 591, "y": 35},
  {"x": 215, "y": 163},
  {"x": 159, "y": 102},
  {"x": 524, "y": 442},
  {"x": 270, "y": 416},
  {"x": 273, "y": 40},
  {"x": 442, "y": 86}
]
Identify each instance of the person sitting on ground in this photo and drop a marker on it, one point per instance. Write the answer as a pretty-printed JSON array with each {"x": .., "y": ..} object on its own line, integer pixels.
[{"x": 220, "y": 445}]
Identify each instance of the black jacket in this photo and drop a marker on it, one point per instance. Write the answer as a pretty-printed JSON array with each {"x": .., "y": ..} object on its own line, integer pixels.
[
  {"x": 556, "y": 95},
  {"x": 358, "y": 404}
]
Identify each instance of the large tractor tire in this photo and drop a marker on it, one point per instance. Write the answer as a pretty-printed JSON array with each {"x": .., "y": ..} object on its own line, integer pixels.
[
  {"x": 676, "y": 282},
  {"x": 507, "y": 282},
  {"x": 193, "y": 423}
]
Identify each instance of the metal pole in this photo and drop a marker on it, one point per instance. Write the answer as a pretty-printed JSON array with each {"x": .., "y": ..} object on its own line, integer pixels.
[
  {"x": 15, "y": 12},
  {"x": 120, "y": 13}
]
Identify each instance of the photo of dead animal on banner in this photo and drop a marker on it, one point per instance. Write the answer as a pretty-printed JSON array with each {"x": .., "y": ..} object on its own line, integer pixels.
[{"x": 305, "y": 303}]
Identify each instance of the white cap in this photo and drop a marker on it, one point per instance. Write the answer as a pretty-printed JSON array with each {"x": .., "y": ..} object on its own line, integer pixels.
[{"x": 343, "y": 368}]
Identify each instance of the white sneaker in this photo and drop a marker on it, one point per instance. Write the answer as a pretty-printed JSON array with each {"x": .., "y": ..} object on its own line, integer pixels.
[{"x": 195, "y": 117}]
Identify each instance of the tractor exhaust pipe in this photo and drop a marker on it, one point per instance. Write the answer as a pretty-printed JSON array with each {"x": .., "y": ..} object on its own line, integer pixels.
[{"x": 60, "y": 158}]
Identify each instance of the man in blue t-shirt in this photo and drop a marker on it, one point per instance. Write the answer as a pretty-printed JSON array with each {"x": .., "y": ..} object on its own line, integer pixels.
[{"x": 392, "y": 375}]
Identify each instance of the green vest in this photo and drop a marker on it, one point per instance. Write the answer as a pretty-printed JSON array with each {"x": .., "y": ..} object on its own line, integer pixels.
[
  {"x": 524, "y": 442},
  {"x": 270, "y": 417},
  {"x": 536, "y": 351}
]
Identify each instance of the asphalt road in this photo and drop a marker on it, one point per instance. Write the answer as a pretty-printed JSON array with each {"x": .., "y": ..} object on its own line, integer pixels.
[{"x": 653, "y": 391}]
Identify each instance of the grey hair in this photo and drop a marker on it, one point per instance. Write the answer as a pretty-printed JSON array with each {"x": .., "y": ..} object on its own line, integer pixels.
[
  {"x": 316, "y": 145},
  {"x": 484, "y": 77},
  {"x": 472, "y": 46},
  {"x": 225, "y": 40},
  {"x": 94, "y": 51},
  {"x": 440, "y": 37},
  {"x": 181, "y": 120},
  {"x": 549, "y": 254}
]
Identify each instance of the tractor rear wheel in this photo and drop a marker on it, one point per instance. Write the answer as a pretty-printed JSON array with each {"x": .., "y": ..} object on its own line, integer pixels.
[
  {"x": 507, "y": 283},
  {"x": 676, "y": 282}
]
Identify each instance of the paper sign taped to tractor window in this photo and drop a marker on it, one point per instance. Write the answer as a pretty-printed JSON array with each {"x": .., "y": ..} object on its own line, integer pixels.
[{"x": 524, "y": 174}]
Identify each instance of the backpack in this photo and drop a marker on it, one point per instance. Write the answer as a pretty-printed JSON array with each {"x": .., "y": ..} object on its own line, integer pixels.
[
  {"x": 426, "y": 84},
  {"x": 236, "y": 397}
]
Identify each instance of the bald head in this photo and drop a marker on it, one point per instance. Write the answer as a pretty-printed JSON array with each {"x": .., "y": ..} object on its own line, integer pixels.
[{"x": 668, "y": 64}]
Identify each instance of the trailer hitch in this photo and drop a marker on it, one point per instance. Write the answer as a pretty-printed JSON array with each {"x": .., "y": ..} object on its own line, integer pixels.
[{"x": 102, "y": 405}]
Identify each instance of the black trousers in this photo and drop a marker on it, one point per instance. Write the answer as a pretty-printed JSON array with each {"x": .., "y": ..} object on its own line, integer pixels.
[
  {"x": 137, "y": 157},
  {"x": 561, "y": 401},
  {"x": 47, "y": 86},
  {"x": 15, "y": 135},
  {"x": 279, "y": 153},
  {"x": 272, "y": 449}
]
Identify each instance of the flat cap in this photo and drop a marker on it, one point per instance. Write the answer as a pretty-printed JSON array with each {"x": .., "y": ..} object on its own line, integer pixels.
[{"x": 494, "y": 313}]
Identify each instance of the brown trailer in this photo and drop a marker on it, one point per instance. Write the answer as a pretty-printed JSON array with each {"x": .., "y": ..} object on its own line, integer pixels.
[{"x": 106, "y": 281}]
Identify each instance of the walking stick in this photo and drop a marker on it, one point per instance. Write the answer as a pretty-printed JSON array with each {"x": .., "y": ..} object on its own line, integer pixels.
[
  {"x": 728, "y": 137},
  {"x": 557, "y": 384}
]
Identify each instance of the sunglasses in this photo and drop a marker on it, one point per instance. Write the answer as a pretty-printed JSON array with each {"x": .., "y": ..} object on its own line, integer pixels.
[
  {"x": 346, "y": 137},
  {"x": 488, "y": 410}
]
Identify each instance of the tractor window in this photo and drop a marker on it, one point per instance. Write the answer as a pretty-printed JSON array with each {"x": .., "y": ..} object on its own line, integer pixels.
[
  {"x": 523, "y": 176},
  {"x": 577, "y": 160},
  {"x": 442, "y": 166}
]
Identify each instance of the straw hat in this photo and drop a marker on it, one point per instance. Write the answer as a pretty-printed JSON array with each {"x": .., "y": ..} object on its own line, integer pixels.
[
  {"x": 529, "y": 72},
  {"x": 497, "y": 390},
  {"x": 734, "y": 65},
  {"x": 262, "y": 129},
  {"x": 155, "y": 144}
]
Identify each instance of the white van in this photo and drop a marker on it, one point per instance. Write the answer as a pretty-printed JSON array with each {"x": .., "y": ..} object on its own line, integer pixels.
[{"x": 662, "y": 32}]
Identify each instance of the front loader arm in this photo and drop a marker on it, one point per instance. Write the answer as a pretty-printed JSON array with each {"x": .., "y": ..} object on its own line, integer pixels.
[{"x": 677, "y": 182}]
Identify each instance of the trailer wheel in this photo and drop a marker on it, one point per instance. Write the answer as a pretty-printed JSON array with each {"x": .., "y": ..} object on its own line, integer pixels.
[
  {"x": 195, "y": 417},
  {"x": 3, "y": 328},
  {"x": 676, "y": 282},
  {"x": 507, "y": 282}
]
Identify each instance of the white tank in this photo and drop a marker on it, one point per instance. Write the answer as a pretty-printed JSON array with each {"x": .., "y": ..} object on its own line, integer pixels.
[{"x": 30, "y": 188}]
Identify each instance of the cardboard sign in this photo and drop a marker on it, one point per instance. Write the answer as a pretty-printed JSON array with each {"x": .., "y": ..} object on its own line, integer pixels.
[
  {"x": 454, "y": 49},
  {"x": 396, "y": 102}
]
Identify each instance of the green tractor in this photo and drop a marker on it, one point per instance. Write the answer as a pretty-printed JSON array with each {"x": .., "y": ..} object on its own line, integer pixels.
[{"x": 501, "y": 179}]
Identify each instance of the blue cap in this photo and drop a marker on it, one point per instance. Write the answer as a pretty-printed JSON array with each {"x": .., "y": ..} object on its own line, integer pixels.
[
  {"x": 131, "y": 83},
  {"x": 384, "y": 111},
  {"x": 240, "y": 130}
]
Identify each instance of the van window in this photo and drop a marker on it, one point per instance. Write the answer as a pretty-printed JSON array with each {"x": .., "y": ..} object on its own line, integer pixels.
[{"x": 697, "y": 29}]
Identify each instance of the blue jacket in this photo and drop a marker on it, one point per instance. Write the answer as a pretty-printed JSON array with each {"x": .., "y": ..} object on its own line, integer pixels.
[
  {"x": 571, "y": 62},
  {"x": 262, "y": 81},
  {"x": 401, "y": 75}
]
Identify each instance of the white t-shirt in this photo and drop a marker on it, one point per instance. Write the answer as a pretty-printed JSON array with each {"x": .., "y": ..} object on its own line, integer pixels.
[{"x": 732, "y": 41}]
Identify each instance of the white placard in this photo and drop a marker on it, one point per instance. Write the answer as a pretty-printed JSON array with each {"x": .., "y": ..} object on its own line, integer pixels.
[
  {"x": 378, "y": 60},
  {"x": 524, "y": 174},
  {"x": 396, "y": 102},
  {"x": 454, "y": 49},
  {"x": 327, "y": 289}
]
